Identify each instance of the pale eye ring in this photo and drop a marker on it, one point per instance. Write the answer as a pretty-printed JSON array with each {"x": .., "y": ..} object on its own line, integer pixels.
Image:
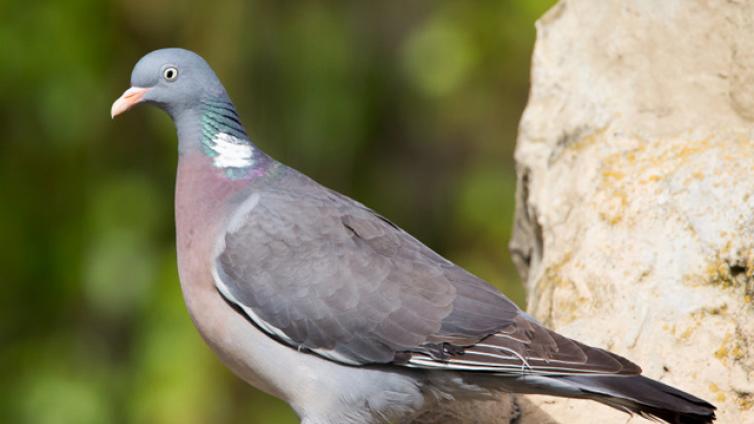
[{"x": 170, "y": 73}]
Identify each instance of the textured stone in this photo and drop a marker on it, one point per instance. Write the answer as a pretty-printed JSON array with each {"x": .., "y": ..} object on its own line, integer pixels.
[
  {"x": 477, "y": 412},
  {"x": 635, "y": 207}
]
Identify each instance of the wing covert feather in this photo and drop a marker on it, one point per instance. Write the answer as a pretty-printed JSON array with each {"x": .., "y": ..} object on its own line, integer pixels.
[
  {"x": 337, "y": 279},
  {"x": 323, "y": 273}
]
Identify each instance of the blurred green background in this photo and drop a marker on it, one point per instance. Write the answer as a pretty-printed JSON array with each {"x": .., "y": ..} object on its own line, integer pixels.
[{"x": 410, "y": 107}]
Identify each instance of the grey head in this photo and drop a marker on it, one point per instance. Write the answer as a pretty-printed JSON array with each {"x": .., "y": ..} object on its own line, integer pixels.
[
  {"x": 182, "y": 83},
  {"x": 173, "y": 79}
]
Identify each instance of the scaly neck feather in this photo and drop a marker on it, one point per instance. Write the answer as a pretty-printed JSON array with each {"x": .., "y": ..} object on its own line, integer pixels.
[{"x": 216, "y": 130}]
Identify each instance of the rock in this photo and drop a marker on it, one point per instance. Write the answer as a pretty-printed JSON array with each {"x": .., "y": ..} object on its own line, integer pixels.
[
  {"x": 634, "y": 227},
  {"x": 476, "y": 412}
]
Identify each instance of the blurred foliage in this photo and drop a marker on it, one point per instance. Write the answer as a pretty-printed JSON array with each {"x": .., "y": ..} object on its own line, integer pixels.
[{"x": 410, "y": 107}]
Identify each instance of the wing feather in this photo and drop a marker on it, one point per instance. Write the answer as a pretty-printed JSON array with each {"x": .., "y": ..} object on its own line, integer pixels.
[{"x": 323, "y": 273}]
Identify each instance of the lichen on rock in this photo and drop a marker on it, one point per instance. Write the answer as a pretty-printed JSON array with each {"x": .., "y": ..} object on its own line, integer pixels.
[{"x": 635, "y": 207}]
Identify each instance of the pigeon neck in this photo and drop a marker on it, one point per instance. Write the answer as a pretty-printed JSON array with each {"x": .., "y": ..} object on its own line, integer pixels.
[{"x": 213, "y": 127}]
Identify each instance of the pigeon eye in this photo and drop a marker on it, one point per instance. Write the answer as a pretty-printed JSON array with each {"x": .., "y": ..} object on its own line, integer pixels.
[{"x": 170, "y": 73}]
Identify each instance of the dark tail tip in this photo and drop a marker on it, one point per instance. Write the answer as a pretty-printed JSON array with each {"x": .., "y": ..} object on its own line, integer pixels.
[{"x": 646, "y": 397}]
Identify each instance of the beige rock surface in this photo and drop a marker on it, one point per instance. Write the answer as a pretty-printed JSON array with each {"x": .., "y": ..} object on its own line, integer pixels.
[
  {"x": 635, "y": 221},
  {"x": 481, "y": 412},
  {"x": 508, "y": 409}
]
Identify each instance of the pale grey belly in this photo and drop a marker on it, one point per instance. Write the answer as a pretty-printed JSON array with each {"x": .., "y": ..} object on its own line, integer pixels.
[{"x": 318, "y": 389}]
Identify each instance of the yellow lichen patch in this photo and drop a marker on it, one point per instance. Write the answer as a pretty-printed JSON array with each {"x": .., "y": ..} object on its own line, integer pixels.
[
  {"x": 717, "y": 310},
  {"x": 718, "y": 273},
  {"x": 731, "y": 269},
  {"x": 632, "y": 170},
  {"x": 745, "y": 402},
  {"x": 617, "y": 204},
  {"x": 617, "y": 175},
  {"x": 688, "y": 332},
  {"x": 650, "y": 179},
  {"x": 587, "y": 140},
  {"x": 722, "y": 353},
  {"x": 552, "y": 305},
  {"x": 737, "y": 353},
  {"x": 732, "y": 347},
  {"x": 697, "y": 318},
  {"x": 627, "y": 170},
  {"x": 692, "y": 148},
  {"x": 719, "y": 394},
  {"x": 684, "y": 335}
]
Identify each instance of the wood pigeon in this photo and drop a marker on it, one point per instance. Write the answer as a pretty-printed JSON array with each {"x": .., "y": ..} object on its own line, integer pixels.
[{"x": 314, "y": 298}]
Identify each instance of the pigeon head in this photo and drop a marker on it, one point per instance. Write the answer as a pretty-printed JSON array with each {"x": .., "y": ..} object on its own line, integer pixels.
[
  {"x": 173, "y": 79},
  {"x": 182, "y": 83}
]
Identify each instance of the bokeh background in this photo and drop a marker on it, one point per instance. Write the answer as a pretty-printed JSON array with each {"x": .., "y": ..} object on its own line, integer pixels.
[{"x": 410, "y": 107}]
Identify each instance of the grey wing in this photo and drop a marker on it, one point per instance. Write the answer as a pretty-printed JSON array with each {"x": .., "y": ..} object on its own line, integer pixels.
[
  {"x": 323, "y": 273},
  {"x": 526, "y": 347}
]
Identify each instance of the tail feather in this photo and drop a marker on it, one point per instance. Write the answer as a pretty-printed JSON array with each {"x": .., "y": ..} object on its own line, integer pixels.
[{"x": 644, "y": 396}]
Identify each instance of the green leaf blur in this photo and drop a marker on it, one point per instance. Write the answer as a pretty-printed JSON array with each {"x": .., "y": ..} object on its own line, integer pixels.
[{"x": 409, "y": 107}]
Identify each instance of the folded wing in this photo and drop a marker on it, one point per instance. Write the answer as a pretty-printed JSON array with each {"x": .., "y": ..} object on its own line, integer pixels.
[{"x": 322, "y": 273}]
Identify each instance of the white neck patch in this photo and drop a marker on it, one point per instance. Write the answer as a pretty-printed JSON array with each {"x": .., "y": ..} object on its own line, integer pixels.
[{"x": 232, "y": 152}]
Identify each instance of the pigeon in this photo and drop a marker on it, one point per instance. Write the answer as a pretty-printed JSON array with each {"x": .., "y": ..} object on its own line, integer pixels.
[{"x": 318, "y": 300}]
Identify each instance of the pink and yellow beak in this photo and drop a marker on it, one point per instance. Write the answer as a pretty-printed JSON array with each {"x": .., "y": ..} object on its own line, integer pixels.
[{"x": 129, "y": 99}]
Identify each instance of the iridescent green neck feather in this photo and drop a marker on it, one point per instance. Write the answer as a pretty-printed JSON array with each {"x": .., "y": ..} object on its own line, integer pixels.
[{"x": 224, "y": 138}]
